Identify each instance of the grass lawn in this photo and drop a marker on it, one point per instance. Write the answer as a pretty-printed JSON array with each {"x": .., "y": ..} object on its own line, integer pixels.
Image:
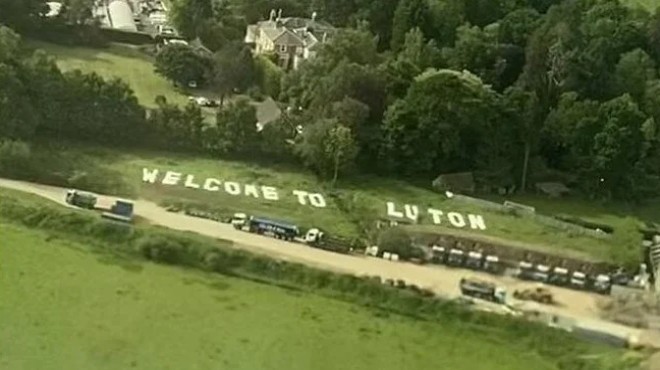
[
  {"x": 65, "y": 306},
  {"x": 364, "y": 199},
  {"x": 131, "y": 65}
]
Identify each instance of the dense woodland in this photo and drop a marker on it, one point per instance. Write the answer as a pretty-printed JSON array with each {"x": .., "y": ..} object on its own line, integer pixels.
[{"x": 517, "y": 92}]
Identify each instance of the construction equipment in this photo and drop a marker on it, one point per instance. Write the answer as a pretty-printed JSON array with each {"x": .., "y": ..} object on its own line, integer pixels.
[
  {"x": 121, "y": 211},
  {"x": 539, "y": 294},
  {"x": 81, "y": 199},
  {"x": 482, "y": 290}
]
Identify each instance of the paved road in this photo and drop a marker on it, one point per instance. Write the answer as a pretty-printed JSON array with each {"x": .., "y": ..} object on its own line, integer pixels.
[{"x": 443, "y": 281}]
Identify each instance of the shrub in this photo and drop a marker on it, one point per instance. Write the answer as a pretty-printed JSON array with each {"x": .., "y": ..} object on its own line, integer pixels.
[
  {"x": 396, "y": 240},
  {"x": 15, "y": 158},
  {"x": 160, "y": 249}
]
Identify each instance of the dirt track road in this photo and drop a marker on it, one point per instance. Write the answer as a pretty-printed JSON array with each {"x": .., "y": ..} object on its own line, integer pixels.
[{"x": 443, "y": 281}]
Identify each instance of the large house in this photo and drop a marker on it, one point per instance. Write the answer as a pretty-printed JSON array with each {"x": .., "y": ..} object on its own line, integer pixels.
[{"x": 292, "y": 40}]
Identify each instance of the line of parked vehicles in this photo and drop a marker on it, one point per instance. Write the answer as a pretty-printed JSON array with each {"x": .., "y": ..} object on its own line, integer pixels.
[{"x": 525, "y": 270}]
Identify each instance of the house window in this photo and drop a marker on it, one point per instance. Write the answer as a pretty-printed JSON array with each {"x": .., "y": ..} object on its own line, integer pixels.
[{"x": 282, "y": 48}]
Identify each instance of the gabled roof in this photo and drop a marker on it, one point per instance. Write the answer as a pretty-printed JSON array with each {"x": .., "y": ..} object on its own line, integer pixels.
[{"x": 288, "y": 38}]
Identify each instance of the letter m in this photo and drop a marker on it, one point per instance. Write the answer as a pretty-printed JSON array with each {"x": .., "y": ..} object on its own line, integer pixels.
[{"x": 149, "y": 175}]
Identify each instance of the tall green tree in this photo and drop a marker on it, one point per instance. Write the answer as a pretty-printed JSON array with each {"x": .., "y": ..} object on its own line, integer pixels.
[
  {"x": 408, "y": 15},
  {"x": 439, "y": 125},
  {"x": 235, "y": 131},
  {"x": 182, "y": 64},
  {"x": 327, "y": 147},
  {"x": 22, "y": 14},
  {"x": 341, "y": 148},
  {"x": 189, "y": 16}
]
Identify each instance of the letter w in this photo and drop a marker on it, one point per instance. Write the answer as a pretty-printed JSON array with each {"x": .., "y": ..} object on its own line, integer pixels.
[{"x": 149, "y": 175}]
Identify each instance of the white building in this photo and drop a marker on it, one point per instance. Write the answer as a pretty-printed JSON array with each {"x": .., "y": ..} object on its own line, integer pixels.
[{"x": 291, "y": 39}]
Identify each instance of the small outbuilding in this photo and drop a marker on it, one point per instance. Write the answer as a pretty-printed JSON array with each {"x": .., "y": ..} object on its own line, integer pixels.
[{"x": 552, "y": 189}]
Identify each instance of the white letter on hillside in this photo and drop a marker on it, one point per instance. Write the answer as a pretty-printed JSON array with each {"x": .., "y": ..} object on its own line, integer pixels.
[
  {"x": 270, "y": 193},
  {"x": 211, "y": 184},
  {"x": 317, "y": 200},
  {"x": 456, "y": 219},
  {"x": 171, "y": 178},
  {"x": 149, "y": 175},
  {"x": 412, "y": 212},
  {"x": 251, "y": 190},
  {"x": 391, "y": 210},
  {"x": 301, "y": 196},
  {"x": 232, "y": 188},
  {"x": 477, "y": 222},
  {"x": 189, "y": 182},
  {"x": 435, "y": 213}
]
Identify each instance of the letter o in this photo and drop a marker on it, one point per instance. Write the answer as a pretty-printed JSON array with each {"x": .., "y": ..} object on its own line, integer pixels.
[
  {"x": 456, "y": 219},
  {"x": 317, "y": 200},
  {"x": 232, "y": 188}
]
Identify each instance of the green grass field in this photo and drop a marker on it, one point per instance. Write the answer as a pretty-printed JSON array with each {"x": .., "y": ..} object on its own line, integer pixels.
[
  {"x": 131, "y": 65},
  {"x": 65, "y": 306}
]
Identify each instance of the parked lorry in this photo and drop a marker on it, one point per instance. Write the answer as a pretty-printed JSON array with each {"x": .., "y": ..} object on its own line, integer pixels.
[
  {"x": 456, "y": 257},
  {"x": 121, "y": 211},
  {"x": 482, "y": 290},
  {"x": 81, "y": 199},
  {"x": 474, "y": 260},
  {"x": 602, "y": 284},
  {"x": 559, "y": 276},
  {"x": 279, "y": 230},
  {"x": 493, "y": 265}
]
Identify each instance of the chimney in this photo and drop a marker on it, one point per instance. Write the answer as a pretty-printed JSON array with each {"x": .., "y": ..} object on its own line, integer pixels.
[
  {"x": 279, "y": 14},
  {"x": 313, "y": 16},
  {"x": 272, "y": 15}
]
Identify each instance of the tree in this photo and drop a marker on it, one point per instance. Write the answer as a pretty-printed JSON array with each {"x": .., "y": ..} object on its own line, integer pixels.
[
  {"x": 632, "y": 72},
  {"x": 516, "y": 27},
  {"x": 439, "y": 125},
  {"x": 408, "y": 15},
  {"x": 182, "y": 65},
  {"x": 617, "y": 149},
  {"x": 235, "y": 131},
  {"x": 189, "y": 15},
  {"x": 22, "y": 14},
  {"x": 78, "y": 12},
  {"x": 341, "y": 147},
  {"x": 327, "y": 147},
  {"x": 396, "y": 240},
  {"x": 233, "y": 69},
  {"x": 524, "y": 106},
  {"x": 173, "y": 128}
]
